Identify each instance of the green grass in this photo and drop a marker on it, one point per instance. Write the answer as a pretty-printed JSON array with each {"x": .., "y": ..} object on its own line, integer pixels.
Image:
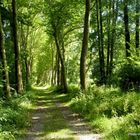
[
  {"x": 55, "y": 127},
  {"x": 110, "y": 111},
  {"x": 14, "y": 116}
]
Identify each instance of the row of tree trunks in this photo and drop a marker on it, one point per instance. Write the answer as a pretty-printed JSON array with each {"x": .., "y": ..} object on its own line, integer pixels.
[{"x": 106, "y": 70}]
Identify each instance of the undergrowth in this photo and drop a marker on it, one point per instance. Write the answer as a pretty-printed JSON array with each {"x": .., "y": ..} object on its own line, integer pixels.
[
  {"x": 110, "y": 111},
  {"x": 14, "y": 116}
]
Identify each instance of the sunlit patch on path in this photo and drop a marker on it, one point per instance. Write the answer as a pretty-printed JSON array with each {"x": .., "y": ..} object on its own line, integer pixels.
[
  {"x": 77, "y": 124},
  {"x": 38, "y": 119}
]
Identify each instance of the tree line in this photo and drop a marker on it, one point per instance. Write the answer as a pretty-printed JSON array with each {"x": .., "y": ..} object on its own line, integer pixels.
[{"x": 69, "y": 42}]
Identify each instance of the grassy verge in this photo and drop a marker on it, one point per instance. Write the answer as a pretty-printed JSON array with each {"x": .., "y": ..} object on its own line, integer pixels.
[
  {"x": 111, "y": 112},
  {"x": 14, "y": 116}
]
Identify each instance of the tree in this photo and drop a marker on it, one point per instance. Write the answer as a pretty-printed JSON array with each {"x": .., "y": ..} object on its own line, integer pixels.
[
  {"x": 137, "y": 24},
  {"x": 100, "y": 41},
  {"x": 111, "y": 29},
  {"x": 84, "y": 46},
  {"x": 113, "y": 34},
  {"x": 126, "y": 24},
  {"x": 5, "y": 75},
  {"x": 18, "y": 73},
  {"x": 63, "y": 80}
]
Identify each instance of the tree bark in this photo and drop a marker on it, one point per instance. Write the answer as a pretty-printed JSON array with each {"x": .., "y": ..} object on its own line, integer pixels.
[
  {"x": 126, "y": 24},
  {"x": 5, "y": 74},
  {"x": 57, "y": 69},
  {"x": 52, "y": 66},
  {"x": 23, "y": 45},
  {"x": 62, "y": 63},
  {"x": 112, "y": 18},
  {"x": 18, "y": 73},
  {"x": 137, "y": 25},
  {"x": 108, "y": 40},
  {"x": 84, "y": 46},
  {"x": 100, "y": 41},
  {"x": 113, "y": 34}
]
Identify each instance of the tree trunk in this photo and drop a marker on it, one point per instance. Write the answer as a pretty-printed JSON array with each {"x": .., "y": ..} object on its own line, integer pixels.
[
  {"x": 57, "y": 69},
  {"x": 23, "y": 46},
  {"x": 126, "y": 24},
  {"x": 63, "y": 57},
  {"x": 100, "y": 41},
  {"x": 27, "y": 66},
  {"x": 111, "y": 24},
  {"x": 62, "y": 64},
  {"x": 108, "y": 40},
  {"x": 84, "y": 46},
  {"x": 113, "y": 34},
  {"x": 18, "y": 73},
  {"x": 5, "y": 75},
  {"x": 52, "y": 66},
  {"x": 137, "y": 25}
]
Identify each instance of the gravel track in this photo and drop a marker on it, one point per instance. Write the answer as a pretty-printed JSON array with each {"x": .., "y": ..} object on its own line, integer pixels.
[{"x": 78, "y": 126}]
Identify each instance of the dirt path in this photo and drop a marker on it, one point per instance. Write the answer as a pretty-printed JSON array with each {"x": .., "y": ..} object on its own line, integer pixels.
[{"x": 52, "y": 120}]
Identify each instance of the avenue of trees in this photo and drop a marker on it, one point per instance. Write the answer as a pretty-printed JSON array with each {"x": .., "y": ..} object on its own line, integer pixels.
[{"x": 67, "y": 42}]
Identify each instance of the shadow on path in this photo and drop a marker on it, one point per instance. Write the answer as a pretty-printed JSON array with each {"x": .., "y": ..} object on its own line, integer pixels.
[{"x": 47, "y": 120}]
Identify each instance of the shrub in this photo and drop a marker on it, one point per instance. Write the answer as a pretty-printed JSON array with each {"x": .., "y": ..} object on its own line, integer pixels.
[
  {"x": 130, "y": 77},
  {"x": 14, "y": 116}
]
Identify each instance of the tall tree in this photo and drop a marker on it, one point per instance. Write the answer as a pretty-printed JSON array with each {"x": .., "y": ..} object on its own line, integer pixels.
[
  {"x": 126, "y": 24},
  {"x": 137, "y": 24},
  {"x": 5, "y": 75},
  {"x": 111, "y": 24},
  {"x": 100, "y": 40},
  {"x": 18, "y": 73},
  {"x": 109, "y": 39},
  {"x": 63, "y": 70},
  {"x": 84, "y": 46},
  {"x": 23, "y": 42},
  {"x": 113, "y": 33}
]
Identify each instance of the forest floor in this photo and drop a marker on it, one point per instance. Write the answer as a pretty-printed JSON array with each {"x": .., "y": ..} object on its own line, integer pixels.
[{"x": 52, "y": 119}]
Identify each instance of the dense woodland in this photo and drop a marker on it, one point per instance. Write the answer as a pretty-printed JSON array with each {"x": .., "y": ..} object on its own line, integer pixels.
[{"x": 92, "y": 44}]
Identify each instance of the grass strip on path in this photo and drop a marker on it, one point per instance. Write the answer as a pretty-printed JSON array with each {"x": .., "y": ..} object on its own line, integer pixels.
[{"x": 48, "y": 122}]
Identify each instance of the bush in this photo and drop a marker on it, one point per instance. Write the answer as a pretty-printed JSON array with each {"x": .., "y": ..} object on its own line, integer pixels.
[{"x": 130, "y": 77}]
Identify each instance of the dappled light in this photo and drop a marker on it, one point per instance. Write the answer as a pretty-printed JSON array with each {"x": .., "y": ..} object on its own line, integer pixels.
[{"x": 69, "y": 69}]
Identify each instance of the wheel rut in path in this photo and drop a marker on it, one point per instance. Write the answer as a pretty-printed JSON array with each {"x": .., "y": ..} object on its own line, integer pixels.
[
  {"x": 36, "y": 130},
  {"x": 78, "y": 125},
  {"x": 45, "y": 114}
]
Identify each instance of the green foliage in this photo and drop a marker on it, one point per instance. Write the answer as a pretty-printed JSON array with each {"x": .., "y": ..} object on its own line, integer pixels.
[
  {"x": 14, "y": 117},
  {"x": 109, "y": 110},
  {"x": 129, "y": 74}
]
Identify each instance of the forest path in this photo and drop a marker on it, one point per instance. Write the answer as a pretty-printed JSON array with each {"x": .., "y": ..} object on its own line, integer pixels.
[{"x": 53, "y": 120}]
